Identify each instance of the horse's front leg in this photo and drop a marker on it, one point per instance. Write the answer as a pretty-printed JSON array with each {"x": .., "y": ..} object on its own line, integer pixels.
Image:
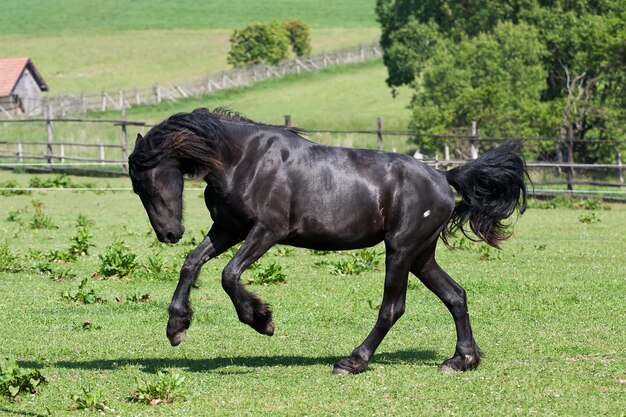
[
  {"x": 250, "y": 309},
  {"x": 216, "y": 242}
]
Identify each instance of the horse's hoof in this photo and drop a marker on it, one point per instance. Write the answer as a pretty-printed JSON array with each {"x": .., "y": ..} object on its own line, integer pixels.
[
  {"x": 348, "y": 366},
  {"x": 340, "y": 371},
  {"x": 460, "y": 364},
  {"x": 178, "y": 338},
  {"x": 447, "y": 369}
]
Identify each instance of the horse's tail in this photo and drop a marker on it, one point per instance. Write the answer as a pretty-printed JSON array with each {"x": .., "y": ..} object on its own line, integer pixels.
[{"x": 491, "y": 187}]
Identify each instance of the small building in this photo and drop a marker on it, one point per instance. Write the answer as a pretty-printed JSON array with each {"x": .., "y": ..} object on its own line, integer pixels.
[{"x": 20, "y": 87}]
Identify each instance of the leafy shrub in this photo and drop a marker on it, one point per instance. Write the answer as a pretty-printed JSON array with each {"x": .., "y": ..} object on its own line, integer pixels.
[
  {"x": 166, "y": 389},
  {"x": 89, "y": 399},
  {"x": 258, "y": 43},
  {"x": 54, "y": 181},
  {"x": 15, "y": 380},
  {"x": 270, "y": 274},
  {"x": 83, "y": 295},
  {"x": 592, "y": 204},
  {"x": 117, "y": 261},
  {"x": 299, "y": 36}
]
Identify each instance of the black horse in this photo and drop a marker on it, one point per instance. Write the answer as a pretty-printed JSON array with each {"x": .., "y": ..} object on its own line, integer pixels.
[{"x": 267, "y": 185}]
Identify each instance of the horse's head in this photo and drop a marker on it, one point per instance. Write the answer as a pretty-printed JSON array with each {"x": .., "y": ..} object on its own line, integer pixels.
[{"x": 160, "y": 188}]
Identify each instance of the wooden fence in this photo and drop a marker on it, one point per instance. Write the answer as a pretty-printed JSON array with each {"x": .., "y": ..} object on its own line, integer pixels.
[
  {"x": 56, "y": 154},
  {"x": 156, "y": 93}
]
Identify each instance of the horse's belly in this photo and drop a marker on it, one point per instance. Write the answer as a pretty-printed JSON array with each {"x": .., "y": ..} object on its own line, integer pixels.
[{"x": 337, "y": 232}]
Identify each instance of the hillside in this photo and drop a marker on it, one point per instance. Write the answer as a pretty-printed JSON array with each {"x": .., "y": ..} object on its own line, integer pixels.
[{"x": 84, "y": 47}]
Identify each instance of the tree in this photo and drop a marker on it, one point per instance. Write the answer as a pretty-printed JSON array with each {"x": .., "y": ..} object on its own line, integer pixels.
[
  {"x": 495, "y": 79},
  {"x": 299, "y": 36},
  {"x": 258, "y": 43},
  {"x": 459, "y": 58}
]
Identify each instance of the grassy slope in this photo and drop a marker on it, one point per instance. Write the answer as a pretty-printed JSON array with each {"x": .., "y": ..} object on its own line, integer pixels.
[
  {"x": 350, "y": 97},
  {"x": 81, "y": 46},
  {"x": 549, "y": 314}
]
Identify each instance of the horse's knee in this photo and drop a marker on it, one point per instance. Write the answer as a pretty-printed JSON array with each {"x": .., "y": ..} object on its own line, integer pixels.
[
  {"x": 229, "y": 280},
  {"x": 388, "y": 316},
  {"x": 457, "y": 303}
]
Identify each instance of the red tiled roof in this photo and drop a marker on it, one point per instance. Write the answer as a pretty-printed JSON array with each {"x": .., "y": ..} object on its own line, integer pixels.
[{"x": 10, "y": 71}]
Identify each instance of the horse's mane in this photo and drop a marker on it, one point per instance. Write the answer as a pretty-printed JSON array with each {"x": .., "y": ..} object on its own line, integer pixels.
[{"x": 199, "y": 140}]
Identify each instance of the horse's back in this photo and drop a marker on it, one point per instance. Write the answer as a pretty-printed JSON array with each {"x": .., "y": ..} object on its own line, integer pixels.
[{"x": 346, "y": 198}]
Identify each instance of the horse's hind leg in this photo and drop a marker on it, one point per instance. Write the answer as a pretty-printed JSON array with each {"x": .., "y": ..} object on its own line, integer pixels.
[
  {"x": 397, "y": 267},
  {"x": 467, "y": 354},
  {"x": 215, "y": 242},
  {"x": 250, "y": 309}
]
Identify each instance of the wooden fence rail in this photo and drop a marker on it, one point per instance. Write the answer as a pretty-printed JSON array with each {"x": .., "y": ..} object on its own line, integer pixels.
[
  {"x": 156, "y": 93},
  {"x": 53, "y": 153}
]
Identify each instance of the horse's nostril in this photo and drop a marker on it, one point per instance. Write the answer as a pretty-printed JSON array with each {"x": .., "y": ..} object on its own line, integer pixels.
[{"x": 169, "y": 237}]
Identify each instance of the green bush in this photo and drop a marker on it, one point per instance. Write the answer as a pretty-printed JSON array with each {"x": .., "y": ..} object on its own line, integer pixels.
[
  {"x": 299, "y": 36},
  {"x": 258, "y": 43}
]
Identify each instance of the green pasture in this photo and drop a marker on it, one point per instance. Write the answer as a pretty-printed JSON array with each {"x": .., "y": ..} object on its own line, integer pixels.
[
  {"x": 82, "y": 48},
  {"x": 548, "y": 311}
]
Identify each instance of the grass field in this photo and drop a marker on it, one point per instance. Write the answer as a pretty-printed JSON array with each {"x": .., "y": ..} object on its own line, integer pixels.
[
  {"x": 80, "y": 47},
  {"x": 548, "y": 311}
]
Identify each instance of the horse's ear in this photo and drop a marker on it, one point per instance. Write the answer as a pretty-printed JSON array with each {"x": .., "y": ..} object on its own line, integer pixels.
[{"x": 139, "y": 138}]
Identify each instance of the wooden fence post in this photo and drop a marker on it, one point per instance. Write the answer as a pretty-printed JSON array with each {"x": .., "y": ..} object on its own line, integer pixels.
[
  {"x": 620, "y": 169},
  {"x": 104, "y": 101},
  {"x": 62, "y": 153},
  {"x": 570, "y": 158},
  {"x": 157, "y": 92},
  {"x": 379, "y": 132},
  {"x": 102, "y": 156},
  {"x": 50, "y": 134},
  {"x": 288, "y": 120},
  {"x": 473, "y": 139},
  {"x": 124, "y": 140},
  {"x": 19, "y": 154}
]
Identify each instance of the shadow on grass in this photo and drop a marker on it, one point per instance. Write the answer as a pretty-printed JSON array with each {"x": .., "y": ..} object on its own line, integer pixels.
[{"x": 225, "y": 365}]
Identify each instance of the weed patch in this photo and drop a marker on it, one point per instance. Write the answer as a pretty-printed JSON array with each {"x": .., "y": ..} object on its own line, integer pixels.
[
  {"x": 165, "y": 389},
  {"x": 118, "y": 261},
  {"x": 9, "y": 262},
  {"x": 83, "y": 295},
  {"x": 364, "y": 260},
  {"x": 89, "y": 399},
  {"x": 589, "y": 218},
  {"x": 15, "y": 380},
  {"x": 270, "y": 274}
]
